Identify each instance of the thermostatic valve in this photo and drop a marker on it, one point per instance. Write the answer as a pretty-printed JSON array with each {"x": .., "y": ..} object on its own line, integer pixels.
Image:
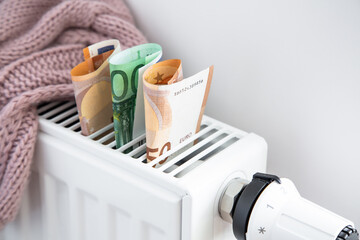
[{"x": 270, "y": 208}]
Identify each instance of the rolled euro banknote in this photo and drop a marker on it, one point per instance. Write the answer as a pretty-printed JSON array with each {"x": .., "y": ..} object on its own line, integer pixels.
[
  {"x": 173, "y": 106},
  {"x": 126, "y": 70},
  {"x": 92, "y": 86}
]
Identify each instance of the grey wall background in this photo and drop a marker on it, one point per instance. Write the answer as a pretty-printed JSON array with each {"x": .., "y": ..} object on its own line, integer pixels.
[{"x": 286, "y": 70}]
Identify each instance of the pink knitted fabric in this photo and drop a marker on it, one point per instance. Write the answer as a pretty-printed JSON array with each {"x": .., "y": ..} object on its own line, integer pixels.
[{"x": 40, "y": 42}]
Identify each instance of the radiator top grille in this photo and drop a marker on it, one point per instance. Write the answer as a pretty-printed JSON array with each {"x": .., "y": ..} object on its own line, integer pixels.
[{"x": 212, "y": 138}]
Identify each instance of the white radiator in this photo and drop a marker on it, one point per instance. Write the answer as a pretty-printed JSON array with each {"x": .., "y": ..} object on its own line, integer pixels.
[{"x": 82, "y": 188}]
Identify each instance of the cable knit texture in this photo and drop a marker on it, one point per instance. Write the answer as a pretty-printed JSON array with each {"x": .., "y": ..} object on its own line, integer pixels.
[{"x": 40, "y": 42}]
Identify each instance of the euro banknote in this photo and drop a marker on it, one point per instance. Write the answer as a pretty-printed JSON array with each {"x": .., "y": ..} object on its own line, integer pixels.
[
  {"x": 92, "y": 86},
  {"x": 173, "y": 106},
  {"x": 126, "y": 70}
]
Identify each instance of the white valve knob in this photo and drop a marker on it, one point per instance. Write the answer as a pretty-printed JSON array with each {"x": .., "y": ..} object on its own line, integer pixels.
[
  {"x": 269, "y": 208},
  {"x": 281, "y": 213}
]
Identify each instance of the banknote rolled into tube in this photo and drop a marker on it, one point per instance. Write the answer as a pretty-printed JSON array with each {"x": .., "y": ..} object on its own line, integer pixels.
[
  {"x": 173, "y": 106},
  {"x": 91, "y": 81},
  {"x": 126, "y": 70}
]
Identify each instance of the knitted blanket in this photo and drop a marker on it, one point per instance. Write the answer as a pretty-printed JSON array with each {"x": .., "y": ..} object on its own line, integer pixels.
[{"x": 40, "y": 42}]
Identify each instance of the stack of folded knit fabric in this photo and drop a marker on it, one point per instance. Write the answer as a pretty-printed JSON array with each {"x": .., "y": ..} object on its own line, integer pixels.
[{"x": 40, "y": 42}]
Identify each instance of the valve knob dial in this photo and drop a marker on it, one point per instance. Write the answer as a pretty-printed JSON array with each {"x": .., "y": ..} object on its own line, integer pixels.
[{"x": 348, "y": 233}]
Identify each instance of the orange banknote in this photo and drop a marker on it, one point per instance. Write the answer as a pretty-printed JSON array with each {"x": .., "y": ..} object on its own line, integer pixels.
[
  {"x": 173, "y": 106},
  {"x": 92, "y": 86}
]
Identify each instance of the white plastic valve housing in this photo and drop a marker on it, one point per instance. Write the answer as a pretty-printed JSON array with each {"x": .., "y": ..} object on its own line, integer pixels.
[{"x": 280, "y": 213}]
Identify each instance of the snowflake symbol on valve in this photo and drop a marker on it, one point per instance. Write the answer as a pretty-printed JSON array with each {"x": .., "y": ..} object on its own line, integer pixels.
[{"x": 262, "y": 230}]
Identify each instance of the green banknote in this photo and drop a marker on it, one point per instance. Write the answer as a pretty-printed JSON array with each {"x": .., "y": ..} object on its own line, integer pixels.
[{"x": 126, "y": 70}]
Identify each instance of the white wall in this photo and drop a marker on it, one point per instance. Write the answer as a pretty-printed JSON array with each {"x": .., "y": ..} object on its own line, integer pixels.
[{"x": 286, "y": 70}]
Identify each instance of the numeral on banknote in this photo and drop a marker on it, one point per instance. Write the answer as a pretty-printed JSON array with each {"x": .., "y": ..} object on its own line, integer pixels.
[
  {"x": 124, "y": 78},
  {"x": 134, "y": 78},
  {"x": 166, "y": 146},
  {"x": 125, "y": 81},
  {"x": 150, "y": 150}
]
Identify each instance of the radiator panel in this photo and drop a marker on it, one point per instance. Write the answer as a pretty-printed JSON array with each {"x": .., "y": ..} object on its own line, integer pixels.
[{"x": 81, "y": 187}]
